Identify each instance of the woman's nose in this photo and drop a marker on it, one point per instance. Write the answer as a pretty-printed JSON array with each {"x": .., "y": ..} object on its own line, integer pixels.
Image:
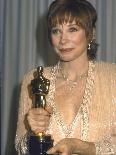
[{"x": 63, "y": 38}]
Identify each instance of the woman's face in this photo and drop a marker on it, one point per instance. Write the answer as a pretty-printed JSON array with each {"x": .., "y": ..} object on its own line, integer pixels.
[{"x": 69, "y": 41}]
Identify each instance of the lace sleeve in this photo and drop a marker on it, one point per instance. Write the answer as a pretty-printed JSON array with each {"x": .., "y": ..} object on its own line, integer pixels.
[
  {"x": 105, "y": 147},
  {"x": 24, "y": 106},
  {"x": 108, "y": 144}
]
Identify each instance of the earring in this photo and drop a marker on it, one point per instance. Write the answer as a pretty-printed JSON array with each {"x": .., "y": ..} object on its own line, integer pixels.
[
  {"x": 89, "y": 46},
  {"x": 92, "y": 45}
]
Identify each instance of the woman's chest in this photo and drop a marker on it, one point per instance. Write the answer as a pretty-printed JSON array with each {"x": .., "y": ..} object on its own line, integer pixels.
[{"x": 68, "y": 104}]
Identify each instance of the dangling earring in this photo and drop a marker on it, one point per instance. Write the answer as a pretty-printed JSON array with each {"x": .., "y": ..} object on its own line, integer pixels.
[
  {"x": 92, "y": 46},
  {"x": 89, "y": 46},
  {"x": 92, "y": 42}
]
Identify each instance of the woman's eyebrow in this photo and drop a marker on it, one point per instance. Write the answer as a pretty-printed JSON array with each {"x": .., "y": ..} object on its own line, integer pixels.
[
  {"x": 69, "y": 25},
  {"x": 72, "y": 25}
]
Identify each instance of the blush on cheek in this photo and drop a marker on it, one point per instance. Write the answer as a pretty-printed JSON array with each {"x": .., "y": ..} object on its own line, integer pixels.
[{"x": 54, "y": 40}]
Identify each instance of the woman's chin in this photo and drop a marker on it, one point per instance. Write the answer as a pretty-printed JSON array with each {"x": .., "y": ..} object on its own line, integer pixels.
[{"x": 67, "y": 59}]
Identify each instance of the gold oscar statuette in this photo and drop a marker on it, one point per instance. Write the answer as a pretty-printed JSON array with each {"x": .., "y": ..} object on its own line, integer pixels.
[{"x": 40, "y": 143}]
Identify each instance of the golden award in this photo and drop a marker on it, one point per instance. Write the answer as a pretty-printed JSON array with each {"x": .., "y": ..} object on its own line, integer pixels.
[{"x": 40, "y": 143}]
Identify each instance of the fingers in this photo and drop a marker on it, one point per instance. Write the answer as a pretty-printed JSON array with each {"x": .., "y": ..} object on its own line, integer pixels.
[
  {"x": 38, "y": 127},
  {"x": 53, "y": 150},
  {"x": 49, "y": 109},
  {"x": 42, "y": 111},
  {"x": 57, "y": 152},
  {"x": 39, "y": 111},
  {"x": 59, "y": 149},
  {"x": 38, "y": 119}
]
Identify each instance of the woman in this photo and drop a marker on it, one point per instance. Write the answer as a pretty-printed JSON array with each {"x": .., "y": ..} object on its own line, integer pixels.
[{"x": 81, "y": 103}]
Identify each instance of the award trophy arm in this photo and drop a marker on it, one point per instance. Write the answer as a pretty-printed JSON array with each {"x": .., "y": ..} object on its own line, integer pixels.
[{"x": 40, "y": 143}]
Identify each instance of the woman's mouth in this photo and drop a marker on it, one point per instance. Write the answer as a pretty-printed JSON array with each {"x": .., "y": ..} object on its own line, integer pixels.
[{"x": 65, "y": 50}]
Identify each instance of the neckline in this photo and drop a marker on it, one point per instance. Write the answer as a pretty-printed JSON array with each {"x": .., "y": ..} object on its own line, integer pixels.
[{"x": 67, "y": 131}]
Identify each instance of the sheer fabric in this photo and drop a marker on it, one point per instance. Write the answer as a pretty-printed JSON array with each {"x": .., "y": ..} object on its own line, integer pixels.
[{"x": 96, "y": 119}]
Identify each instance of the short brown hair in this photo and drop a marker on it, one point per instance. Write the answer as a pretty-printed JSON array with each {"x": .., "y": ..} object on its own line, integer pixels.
[{"x": 81, "y": 11}]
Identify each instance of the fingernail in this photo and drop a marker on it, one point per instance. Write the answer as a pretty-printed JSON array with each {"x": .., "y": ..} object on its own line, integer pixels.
[{"x": 49, "y": 151}]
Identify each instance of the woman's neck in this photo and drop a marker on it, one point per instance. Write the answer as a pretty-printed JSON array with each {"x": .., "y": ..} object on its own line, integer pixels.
[{"x": 74, "y": 68}]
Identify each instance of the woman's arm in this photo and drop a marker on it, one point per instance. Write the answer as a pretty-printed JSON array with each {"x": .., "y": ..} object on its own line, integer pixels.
[
  {"x": 24, "y": 106},
  {"x": 70, "y": 146},
  {"x": 107, "y": 145}
]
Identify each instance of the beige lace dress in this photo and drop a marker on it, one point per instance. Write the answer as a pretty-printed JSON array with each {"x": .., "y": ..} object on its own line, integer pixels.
[{"x": 95, "y": 120}]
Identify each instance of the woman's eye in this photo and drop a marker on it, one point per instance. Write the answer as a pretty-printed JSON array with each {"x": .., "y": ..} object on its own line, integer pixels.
[
  {"x": 55, "y": 31},
  {"x": 73, "y": 29}
]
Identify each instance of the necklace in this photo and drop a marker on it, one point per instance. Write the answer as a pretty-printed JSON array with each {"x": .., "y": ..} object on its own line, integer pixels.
[{"x": 71, "y": 84}]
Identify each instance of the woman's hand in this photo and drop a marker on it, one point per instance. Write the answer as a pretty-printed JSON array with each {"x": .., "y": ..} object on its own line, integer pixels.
[
  {"x": 70, "y": 146},
  {"x": 38, "y": 119}
]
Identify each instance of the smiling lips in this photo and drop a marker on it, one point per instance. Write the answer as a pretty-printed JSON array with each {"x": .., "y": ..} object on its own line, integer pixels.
[{"x": 65, "y": 50}]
